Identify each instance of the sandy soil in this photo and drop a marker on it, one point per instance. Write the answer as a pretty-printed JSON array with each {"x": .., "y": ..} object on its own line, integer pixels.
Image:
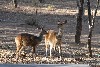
[{"x": 13, "y": 22}]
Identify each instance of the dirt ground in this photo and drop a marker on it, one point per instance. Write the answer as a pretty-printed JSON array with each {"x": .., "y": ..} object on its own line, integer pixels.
[{"x": 13, "y": 22}]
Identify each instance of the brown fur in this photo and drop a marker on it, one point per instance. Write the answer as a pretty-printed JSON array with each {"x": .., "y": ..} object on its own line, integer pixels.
[
  {"x": 52, "y": 38},
  {"x": 24, "y": 39}
]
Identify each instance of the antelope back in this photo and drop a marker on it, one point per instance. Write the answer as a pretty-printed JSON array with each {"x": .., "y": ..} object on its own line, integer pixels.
[{"x": 25, "y": 39}]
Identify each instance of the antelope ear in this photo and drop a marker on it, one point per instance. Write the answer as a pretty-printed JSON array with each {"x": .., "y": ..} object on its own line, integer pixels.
[
  {"x": 36, "y": 29},
  {"x": 41, "y": 29},
  {"x": 48, "y": 31},
  {"x": 58, "y": 22}
]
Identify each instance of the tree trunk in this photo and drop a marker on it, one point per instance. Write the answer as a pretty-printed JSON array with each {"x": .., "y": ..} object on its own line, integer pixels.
[
  {"x": 79, "y": 22},
  {"x": 15, "y": 3},
  {"x": 91, "y": 25},
  {"x": 90, "y": 28}
]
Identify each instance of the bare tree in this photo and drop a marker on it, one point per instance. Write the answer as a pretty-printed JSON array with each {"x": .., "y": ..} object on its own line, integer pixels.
[
  {"x": 91, "y": 24},
  {"x": 79, "y": 21}
]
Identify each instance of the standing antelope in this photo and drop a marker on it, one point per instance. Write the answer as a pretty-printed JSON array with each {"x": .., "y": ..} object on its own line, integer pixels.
[
  {"x": 53, "y": 39},
  {"x": 24, "y": 39}
]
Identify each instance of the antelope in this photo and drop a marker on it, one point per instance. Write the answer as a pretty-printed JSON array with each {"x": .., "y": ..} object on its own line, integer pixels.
[
  {"x": 25, "y": 39},
  {"x": 52, "y": 38}
]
